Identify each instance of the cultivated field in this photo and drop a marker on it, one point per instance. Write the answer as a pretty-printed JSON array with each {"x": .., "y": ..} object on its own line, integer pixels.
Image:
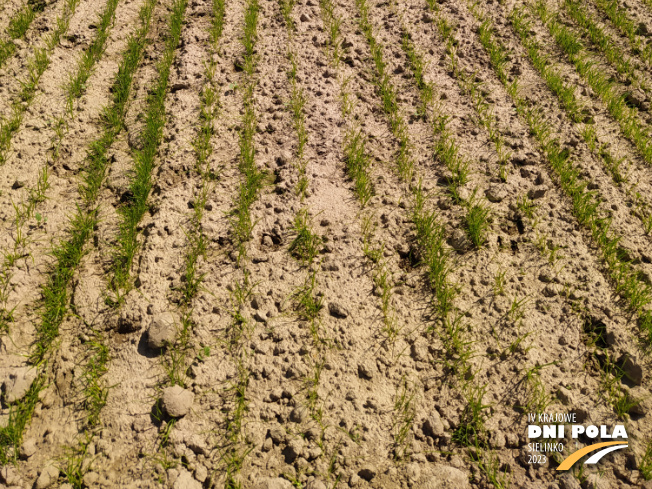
[{"x": 323, "y": 243}]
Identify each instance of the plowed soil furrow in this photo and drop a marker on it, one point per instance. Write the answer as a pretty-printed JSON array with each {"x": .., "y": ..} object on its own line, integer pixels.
[{"x": 326, "y": 243}]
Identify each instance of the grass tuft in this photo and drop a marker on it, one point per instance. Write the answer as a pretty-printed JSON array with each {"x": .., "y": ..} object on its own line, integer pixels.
[{"x": 306, "y": 245}]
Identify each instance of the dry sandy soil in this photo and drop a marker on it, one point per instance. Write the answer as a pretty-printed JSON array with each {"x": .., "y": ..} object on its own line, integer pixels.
[{"x": 277, "y": 326}]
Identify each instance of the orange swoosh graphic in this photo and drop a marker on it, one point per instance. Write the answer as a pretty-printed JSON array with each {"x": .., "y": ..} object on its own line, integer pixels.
[{"x": 571, "y": 459}]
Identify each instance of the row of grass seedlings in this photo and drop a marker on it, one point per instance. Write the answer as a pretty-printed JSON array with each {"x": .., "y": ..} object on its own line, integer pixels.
[
  {"x": 36, "y": 66},
  {"x": 430, "y": 233},
  {"x": 599, "y": 81},
  {"x": 358, "y": 167},
  {"x": 93, "y": 393},
  {"x": 307, "y": 299},
  {"x": 332, "y": 23},
  {"x": 209, "y": 104},
  {"x": 610, "y": 373},
  {"x": 19, "y": 248},
  {"x": 306, "y": 244},
  {"x": 68, "y": 252},
  {"x": 471, "y": 431},
  {"x": 234, "y": 447},
  {"x": 621, "y": 21},
  {"x": 589, "y": 27},
  {"x": 598, "y": 362},
  {"x": 470, "y": 86},
  {"x": 397, "y": 124},
  {"x": 478, "y": 216},
  {"x": 536, "y": 397},
  {"x": 430, "y": 236},
  {"x": 622, "y": 274},
  {"x": 358, "y": 163},
  {"x": 145, "y": 160},
  {"x": 382, "y": 276},
  {"x": 297, "y": 101},
  {"x": 631, "y": 128},
  {"x": 616, "y": 167},
  {"x": 27, "y": 210},
  {"x": 178, "y": 355},
  {"x": 77, "y": 83},
  {"x": 358, "y": 159},
  {"x": 427, "y": 91},
  {"x": 447, "y": 149},
  {"x": 253, "y": 177},
  {"x": 17, "y": 28},
  {"x": 604, "y": 42}
]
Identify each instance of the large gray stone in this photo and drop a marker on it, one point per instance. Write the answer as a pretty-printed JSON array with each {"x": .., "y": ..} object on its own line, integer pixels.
[
  {"x": 162, "y": 331},
  {"x": 177, "y": 401}
]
